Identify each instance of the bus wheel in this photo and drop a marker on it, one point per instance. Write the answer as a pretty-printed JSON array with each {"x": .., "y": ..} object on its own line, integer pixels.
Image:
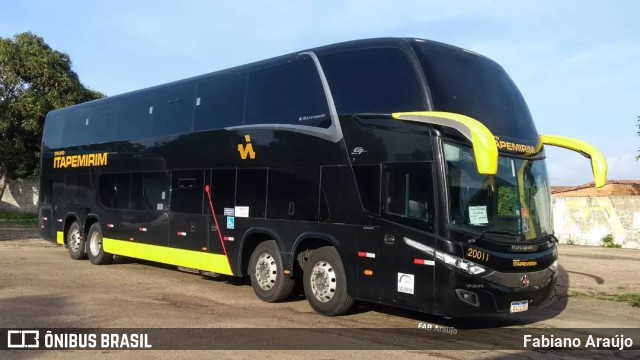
[
  {"x": 75, "y": 242},
  {"x": 325, "y": 283},
  {"x": 97, "y": 256},
  {"x": 266, "y": 273}
]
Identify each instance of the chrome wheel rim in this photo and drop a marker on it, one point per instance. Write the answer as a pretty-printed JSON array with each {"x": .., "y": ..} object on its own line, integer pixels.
[
  {"x": 95, "y": 243},
  {"x": 74, "y": 240},
  {"x": 323, "y": 281},
  {"x": 266, "y": 271}
]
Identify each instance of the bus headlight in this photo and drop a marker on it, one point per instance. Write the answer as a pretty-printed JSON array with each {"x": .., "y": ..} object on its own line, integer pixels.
[
  {"x": 462, "y": 264},
  {"x": 554, "y": 266}
]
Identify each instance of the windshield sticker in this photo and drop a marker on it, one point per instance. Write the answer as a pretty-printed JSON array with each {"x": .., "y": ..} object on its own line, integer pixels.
[{"x": 478, "y": 215}]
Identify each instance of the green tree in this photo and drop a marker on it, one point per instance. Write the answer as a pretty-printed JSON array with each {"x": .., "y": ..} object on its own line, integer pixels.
[{"x": 34, "y": 79}]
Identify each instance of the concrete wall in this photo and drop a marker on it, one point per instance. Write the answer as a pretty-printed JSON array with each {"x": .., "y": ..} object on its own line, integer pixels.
[
  {"x": 585, "y": 220},
  {"x": 20, "y": 196}
]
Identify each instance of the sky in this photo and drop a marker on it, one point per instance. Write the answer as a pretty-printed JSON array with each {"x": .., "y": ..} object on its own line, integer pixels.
[{"x": 577, "y": 63}]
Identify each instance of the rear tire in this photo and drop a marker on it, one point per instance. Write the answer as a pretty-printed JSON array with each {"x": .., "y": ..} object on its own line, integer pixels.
[
  {"x": 97, "y": 256},
  {"x": 325, "y": 282},
  {"x": 266, "y": 273},
  {"x": 75, "y": 242}
]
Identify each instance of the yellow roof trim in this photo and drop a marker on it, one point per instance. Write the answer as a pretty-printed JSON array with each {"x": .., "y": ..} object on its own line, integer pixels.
[
  {"x": 598, "y": 162},
  {"x": 482, "y": 140}
]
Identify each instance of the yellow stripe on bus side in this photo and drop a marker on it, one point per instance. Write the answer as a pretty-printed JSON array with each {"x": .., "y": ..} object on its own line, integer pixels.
[
  {"x": 60, "y": 237},
  {"x": 216, "y": 263}
]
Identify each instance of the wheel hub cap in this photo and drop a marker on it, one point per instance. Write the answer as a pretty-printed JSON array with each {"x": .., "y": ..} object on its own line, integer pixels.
[
  {"x": 74, "y": 240},
  {"x": 266, "y": 271},
  {"x": 95, "y": 243},
  {"x": 323, "y": 281}
]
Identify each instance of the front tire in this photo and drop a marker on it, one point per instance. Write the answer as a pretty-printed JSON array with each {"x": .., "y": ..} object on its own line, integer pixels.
[
  {"x": 266, "y": 273},
  {"x": 97, "y": 256},
  {"x": 325, "y": 283},
  {"x": 75, "y": 242}
]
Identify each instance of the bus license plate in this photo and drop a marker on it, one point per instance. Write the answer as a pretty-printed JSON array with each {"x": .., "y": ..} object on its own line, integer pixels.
[{"x": 519, "y": 306}]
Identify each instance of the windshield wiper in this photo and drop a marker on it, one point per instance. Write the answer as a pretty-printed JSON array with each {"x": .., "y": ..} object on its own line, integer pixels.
[{"x": 500, "y": 232}]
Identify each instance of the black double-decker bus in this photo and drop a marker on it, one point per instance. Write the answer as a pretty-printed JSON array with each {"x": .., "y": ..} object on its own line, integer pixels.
[{"x": 398, "y": 171}]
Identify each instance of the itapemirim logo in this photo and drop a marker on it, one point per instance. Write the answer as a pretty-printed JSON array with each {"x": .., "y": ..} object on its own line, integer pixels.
[{"x": 246, "y": 149}]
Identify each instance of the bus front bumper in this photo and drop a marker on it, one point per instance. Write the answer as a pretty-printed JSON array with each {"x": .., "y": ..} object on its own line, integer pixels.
[{"x": 497, "y": 292}]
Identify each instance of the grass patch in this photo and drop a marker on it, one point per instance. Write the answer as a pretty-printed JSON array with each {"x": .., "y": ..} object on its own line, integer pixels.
[
  {"x": 632, "y": 299},
  {"x": 19, "y": 220}
]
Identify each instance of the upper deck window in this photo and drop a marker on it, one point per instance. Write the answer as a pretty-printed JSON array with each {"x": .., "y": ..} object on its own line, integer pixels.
[
  {"x": 469, "y": 84},
  {"x": 220, "y": 101},
  {"x": 373, "y": 80},
  {"x": 289, "y": 93}
]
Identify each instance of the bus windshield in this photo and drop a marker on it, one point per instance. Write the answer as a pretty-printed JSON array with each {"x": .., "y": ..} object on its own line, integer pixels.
[
  {"x": 513, "y": 205},
  {"x": 465, "y": 83}
]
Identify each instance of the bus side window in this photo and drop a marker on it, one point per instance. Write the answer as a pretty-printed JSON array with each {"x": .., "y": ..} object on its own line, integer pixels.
[
  {"x": 135, "y": 115},
  {"x": 115, "y": 190},
  {"x": 373, "y": 80},
  {"x": 409, "y": 192},
  {"x": 289, "y": 93},
  {"x": 174, "y": 109},
  {"x": 76, "y": 188},
  {"x": 150, "y": 191},
  {"x": 219, "y": 101}
]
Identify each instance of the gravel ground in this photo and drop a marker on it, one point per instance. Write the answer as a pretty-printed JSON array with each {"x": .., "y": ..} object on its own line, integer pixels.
[{"x": 40, "y": 286}]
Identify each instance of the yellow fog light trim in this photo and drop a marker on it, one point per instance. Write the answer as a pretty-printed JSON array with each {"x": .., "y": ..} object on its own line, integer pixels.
[
  {"x": 482, "y": 140},
  {"x": 598, "y": 162}
]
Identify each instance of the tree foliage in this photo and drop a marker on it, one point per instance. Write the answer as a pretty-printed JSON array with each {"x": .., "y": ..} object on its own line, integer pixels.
[{"x": 34, "y": 79}]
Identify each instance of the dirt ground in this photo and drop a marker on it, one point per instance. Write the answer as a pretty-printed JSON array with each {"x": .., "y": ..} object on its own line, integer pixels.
[{"x": 41, "y": 287}]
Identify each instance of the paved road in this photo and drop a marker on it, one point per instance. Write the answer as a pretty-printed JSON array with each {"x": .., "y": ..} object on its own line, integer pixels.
[{"x": 40, "y": 286}]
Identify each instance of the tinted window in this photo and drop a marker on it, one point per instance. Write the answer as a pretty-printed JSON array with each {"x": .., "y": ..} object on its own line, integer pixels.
[
  {"x": 220, "y": 101},
  {"x": 114, "y": 190},
  {"x": 375, "y": 80},
  {"x": 174, "y": 109},
  {"x": 150, "y": 191},
  {"x": 472, "y": 85},
  {"x": 223, "y": 189},
  {"x": 293, "y": 194},
  {"x": 368, "y": 180},
  {"x": 74, "y": 126},
  {"x": 53, "y": 129},
  {"x": 76, "y": 188},
  {"x": 409, "y": 194},
  {"x": 289, "y": 93},
  {"x": 83, "y": 125},
  {"x": 187, "y": 191},
  {"x": 252, "y": 191},
  {"x": 100, "y": 126},
  {"x": 135, "y": 116},
  {"x": 46, "y": 186}
]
